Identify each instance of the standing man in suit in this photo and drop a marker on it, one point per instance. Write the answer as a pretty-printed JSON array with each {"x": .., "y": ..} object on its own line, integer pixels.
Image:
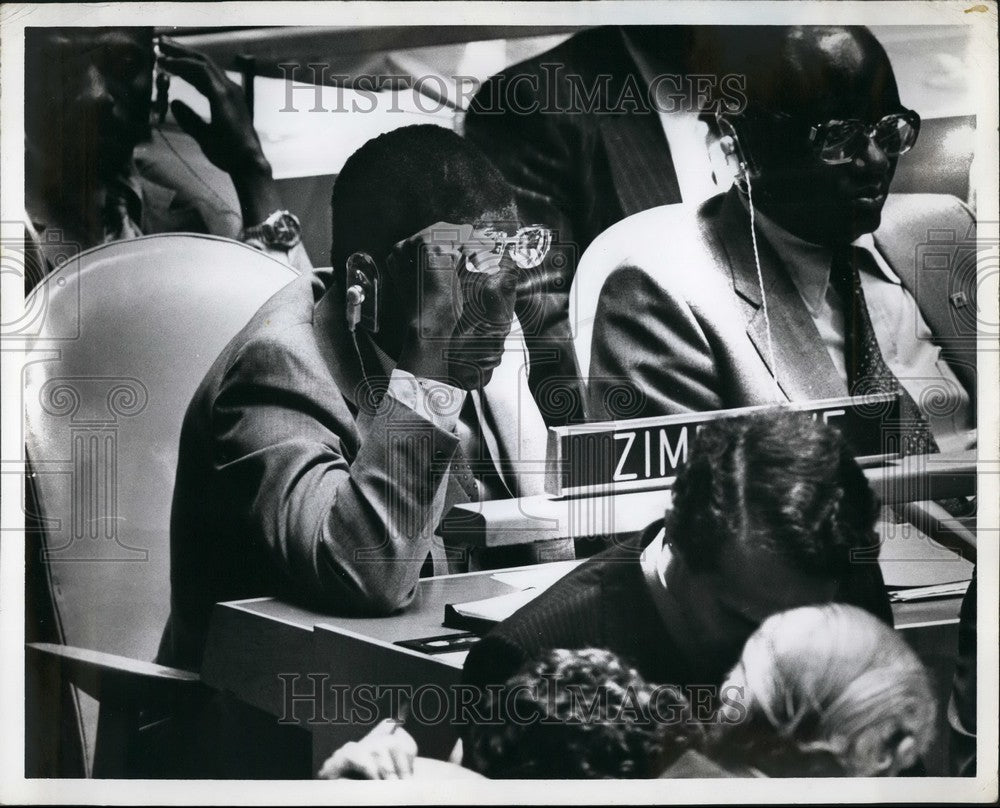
[
  {"x": 331, "y": 435},
  {"x": 842, "y": 301},
  {"x": 771, "y": 512},
  {"x": 88, "y": 103},
  {"x": 603, "y": 126}
]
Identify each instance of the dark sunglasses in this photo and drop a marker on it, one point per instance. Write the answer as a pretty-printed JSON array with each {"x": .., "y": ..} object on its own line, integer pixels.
[{"x": 836, "y": 142}]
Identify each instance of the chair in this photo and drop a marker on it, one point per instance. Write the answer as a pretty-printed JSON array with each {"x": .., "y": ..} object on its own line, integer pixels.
[
  {"x": 599, "y": 260},
  {"x": 123, "y": 334}
]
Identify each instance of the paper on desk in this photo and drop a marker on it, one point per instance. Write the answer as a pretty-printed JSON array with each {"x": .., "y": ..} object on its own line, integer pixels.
[
  {"x": 539, "y": 577},
  {"x": 926, "y": 592},
  {"x": 910, "y": 558},
  {"x": 497, "y": 608}
]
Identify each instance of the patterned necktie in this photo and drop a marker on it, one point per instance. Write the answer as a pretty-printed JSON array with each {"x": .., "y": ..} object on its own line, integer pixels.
[{"x": 867, "y": 371}]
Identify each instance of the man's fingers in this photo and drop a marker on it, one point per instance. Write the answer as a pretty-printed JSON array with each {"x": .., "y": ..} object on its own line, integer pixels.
[
  {"x": 175, "y": 48},
  {"x": 383, "y": 727},
  {"x": 189, "y": 120},
  {"x": 402, "y": 756},
  {"x": 193, "y": 72}
]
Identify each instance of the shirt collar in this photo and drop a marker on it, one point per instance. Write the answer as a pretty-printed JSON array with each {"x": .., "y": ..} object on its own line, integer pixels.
[{"x": 809, "y": 264}]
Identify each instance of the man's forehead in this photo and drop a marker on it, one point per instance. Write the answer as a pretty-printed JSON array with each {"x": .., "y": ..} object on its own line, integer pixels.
[
  {"x": 83, "y": 39},
  {"x": 839, "y": 73}
]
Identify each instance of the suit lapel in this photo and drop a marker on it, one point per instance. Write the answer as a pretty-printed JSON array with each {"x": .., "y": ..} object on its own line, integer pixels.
[{"x": 805, "y": 370}]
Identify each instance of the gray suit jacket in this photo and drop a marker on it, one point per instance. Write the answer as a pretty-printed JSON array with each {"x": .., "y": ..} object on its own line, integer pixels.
[
  {"x": 290, "y": 483},
  {"x": 680, "y": 320}
]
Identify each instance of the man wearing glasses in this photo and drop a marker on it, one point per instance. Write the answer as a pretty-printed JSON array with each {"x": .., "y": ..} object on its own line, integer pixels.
[
  {"x": 806, "y": 280},
  {"x": 330, "y": 437}
]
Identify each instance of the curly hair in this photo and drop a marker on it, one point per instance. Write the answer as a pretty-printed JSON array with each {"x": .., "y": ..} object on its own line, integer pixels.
[
  {"x": 580, "y": 714},
  {"x": 827, "y": 690},
  {"x": 778, "y": 481}
]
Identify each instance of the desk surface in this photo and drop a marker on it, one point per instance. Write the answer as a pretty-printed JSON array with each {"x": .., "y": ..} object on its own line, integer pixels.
[
  {"x": 497, "y": 523},
  {"x": 289, "y": 624}
]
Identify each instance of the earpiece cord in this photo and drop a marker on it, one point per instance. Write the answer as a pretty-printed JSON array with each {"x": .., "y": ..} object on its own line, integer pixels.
[{"x": 760, "y": 280}]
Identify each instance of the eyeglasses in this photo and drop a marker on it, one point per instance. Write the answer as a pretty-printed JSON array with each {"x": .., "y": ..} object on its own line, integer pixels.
[
  {"x": 836, "y": 142},
  {"x": 528, "y": 246}
]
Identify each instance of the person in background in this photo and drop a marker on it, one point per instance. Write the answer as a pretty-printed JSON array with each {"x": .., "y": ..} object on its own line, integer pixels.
[
  {"x": 844, "y": 304},
  {"x": 570, "y": 714},
  {"x": 602, "y": 126},
  {"x": 770, "y": 512},
  {"x": 88, "y": 105},
  {"x": 826, "y": 691}
]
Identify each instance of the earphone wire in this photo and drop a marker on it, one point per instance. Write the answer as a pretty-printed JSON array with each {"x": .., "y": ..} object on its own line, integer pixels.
[{"x": 760, "y": 280}]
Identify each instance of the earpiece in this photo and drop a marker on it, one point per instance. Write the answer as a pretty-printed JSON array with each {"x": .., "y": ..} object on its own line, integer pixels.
[
  {"x": 731, "y": 147},
  {"x": 361, "y": 298}
]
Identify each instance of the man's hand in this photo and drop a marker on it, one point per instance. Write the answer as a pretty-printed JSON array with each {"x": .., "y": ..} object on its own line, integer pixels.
[
  {"x": 229, "y": 139},
  {"x": 383, "y": 754},
  {"x": 457, "y": 297}
]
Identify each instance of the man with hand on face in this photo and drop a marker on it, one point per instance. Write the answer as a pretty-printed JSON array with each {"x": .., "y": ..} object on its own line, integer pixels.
[
  {"x": 325, "y": 444},
  {"x": 88, "y": 102},
  {"x": 840, "y": 301}
]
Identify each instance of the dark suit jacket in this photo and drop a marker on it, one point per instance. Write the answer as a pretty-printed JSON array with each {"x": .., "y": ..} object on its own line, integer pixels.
[
  {"x": 606, "y": 603},
  {"x": 686, "y": 326},
  {"x": 279, "y": 491},
  {"x": 578, "y": 165}
]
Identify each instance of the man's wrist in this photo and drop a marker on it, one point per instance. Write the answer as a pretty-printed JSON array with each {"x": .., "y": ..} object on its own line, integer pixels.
[{"x": 435, "y": 401}]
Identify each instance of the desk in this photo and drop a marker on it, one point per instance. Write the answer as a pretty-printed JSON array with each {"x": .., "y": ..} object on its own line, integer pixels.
[
  {"x": 263, "y": 651},
  {"x": 499, "y": 523}
]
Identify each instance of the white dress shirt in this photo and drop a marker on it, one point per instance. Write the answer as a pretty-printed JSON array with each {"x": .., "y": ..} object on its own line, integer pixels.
[{"x": 900, "y": 329}]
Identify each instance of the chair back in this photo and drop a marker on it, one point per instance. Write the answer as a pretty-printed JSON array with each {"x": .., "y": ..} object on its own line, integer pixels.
[
  {"x": 605, "y": 254},
  {"x": 124, "y": 334}
]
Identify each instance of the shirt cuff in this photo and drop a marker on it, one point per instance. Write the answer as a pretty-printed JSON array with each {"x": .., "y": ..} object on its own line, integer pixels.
[{"x": 435, "y": 401}]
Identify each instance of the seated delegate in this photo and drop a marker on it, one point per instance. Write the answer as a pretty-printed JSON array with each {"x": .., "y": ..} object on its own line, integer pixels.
[
  {"x": 769, "y": 513},
  {"x": 325, "y": 443},
  {"x": 846, "y": 305}
]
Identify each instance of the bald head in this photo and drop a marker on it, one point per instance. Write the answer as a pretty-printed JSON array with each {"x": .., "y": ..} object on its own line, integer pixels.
[{"x": 796, "y": 79}]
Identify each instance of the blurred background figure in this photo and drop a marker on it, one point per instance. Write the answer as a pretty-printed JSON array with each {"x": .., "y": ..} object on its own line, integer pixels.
[
  {"x": 589, "y": 133},
  {"x": 582, "y": 714},
  {"x": 89, "y": 102},
  {"x": 826, "y": 691},
  {"x": 569, "y": 714},
  {"x": 962, "y": 704}
]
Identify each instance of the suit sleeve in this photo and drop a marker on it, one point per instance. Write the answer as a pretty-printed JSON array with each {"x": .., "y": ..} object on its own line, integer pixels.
[
  {"x": 349, "y": 535},
  {"x": 650, "y": 354}
]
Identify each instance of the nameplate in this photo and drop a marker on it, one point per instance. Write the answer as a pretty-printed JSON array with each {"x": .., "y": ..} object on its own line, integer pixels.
[{"x": 646, "y": 453}]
